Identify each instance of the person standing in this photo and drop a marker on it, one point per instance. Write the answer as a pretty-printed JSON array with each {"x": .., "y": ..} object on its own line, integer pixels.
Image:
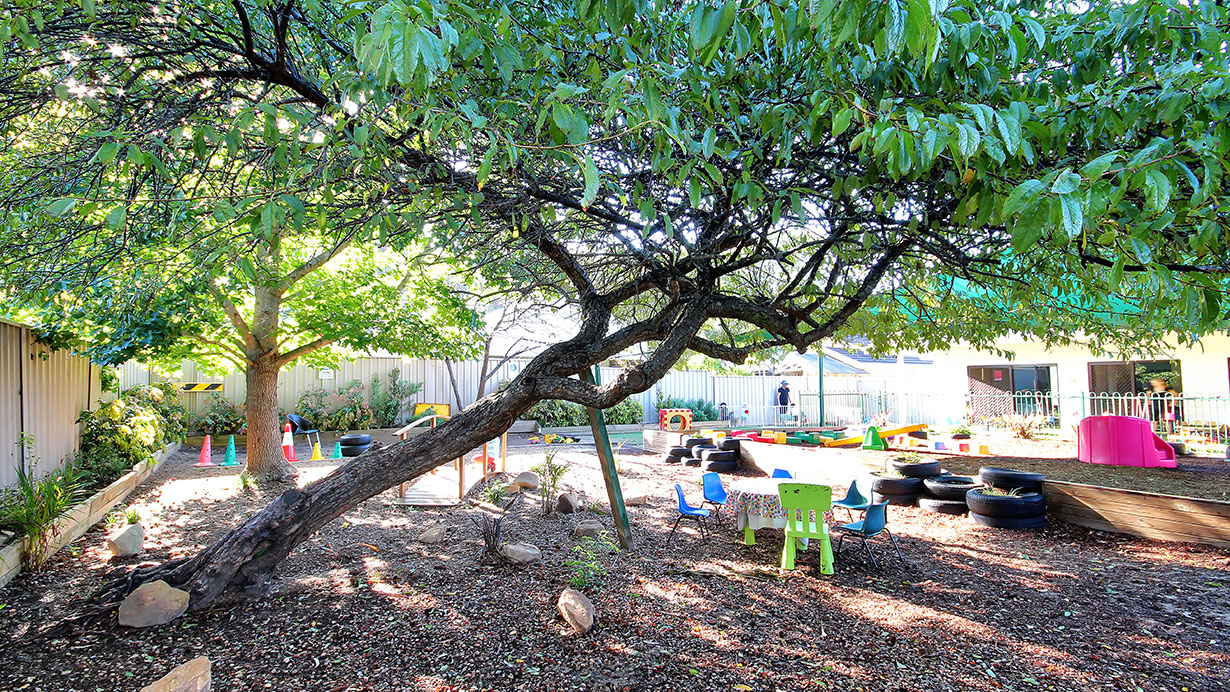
[{"x": 783, "y": 399}]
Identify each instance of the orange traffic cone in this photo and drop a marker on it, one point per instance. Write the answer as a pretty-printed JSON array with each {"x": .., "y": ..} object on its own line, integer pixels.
[
  {"x": 288, "y": 444},
  {"x": 206, "y": 453}
]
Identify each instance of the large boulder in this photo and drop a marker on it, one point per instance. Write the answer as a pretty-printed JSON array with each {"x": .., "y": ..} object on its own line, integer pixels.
[
  {"x": 577, "y": 610},
  {"x": 589, "y": 527},
  {"x": 521, "y": 553},
  {"x": 153, "y": 603},
  {"x": 129, "y": 540},
  {"x": 193, "y": 676},
  {"x": 567, "y": 503}
]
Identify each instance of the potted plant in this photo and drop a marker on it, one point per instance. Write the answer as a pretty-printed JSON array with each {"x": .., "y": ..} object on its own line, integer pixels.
[{"x": 961, "y": 432}]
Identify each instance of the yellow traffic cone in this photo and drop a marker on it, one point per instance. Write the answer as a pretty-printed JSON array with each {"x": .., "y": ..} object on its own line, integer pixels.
[{"x": 316, "y": 453}]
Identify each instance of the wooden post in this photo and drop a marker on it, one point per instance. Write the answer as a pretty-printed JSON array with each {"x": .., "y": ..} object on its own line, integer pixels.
[
  {"x": 606, "y": 459},
  {"x": 504, "y": 452}
]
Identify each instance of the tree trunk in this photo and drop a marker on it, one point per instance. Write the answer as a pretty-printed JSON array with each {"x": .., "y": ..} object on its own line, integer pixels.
[{"x": 265, "y": 458}]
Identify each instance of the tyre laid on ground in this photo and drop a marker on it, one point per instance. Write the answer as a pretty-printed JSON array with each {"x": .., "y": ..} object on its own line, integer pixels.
[
  {"x": 354, "y": 450},
  {"x": 692, "y": 461},
  {"x": 718, "y": 455},
  {"x": 950, "y": 487},
  {"x": 1007, "y": 479},
  {"x": 673, "y": 459},
  {"x": 897, "y": 486},
  {"x": 906, "y": 500},
  {"x": 720, "y": 466},
  {"x": 728, "y": 444},
  {"x": 690, "y": 443},
  {"x": 917, "y": 469},
  {"x": 1037, "y": 522},
  {"x": 1006, "y": 506},
  {"x": 932, "y": 504},
  {"x": 355, "y": 440},
  {"x": 680, "y": 451}
]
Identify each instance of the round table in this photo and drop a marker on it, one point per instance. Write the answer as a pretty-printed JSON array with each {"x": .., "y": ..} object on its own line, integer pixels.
[{"x": 756, "y": 504}]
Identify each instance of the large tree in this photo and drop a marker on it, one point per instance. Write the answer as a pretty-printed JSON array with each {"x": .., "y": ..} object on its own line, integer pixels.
[{"x": 723, "y": 178}]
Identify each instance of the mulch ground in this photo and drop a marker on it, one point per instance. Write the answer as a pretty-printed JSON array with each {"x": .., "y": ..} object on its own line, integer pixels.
[{"x": 364, "y": 606}]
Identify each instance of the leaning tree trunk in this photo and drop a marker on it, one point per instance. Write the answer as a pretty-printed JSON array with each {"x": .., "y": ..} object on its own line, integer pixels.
[
  {"x": 242, "y": 562},
  {"x": 265, "y": 458}
]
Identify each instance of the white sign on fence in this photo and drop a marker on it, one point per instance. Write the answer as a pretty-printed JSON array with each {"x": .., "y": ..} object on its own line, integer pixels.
[{"x": 324, "y": 374}]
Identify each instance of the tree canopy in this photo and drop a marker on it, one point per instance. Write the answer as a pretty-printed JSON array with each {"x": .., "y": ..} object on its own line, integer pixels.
[{"x": 720, "y": 177}]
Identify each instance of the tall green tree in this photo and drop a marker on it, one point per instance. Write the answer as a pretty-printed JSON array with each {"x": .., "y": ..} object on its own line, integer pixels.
[{"x": 723, "y": 178}]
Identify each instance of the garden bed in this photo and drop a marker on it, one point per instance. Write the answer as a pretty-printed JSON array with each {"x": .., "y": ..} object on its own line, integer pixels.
[{"x": 82, "y": 517}]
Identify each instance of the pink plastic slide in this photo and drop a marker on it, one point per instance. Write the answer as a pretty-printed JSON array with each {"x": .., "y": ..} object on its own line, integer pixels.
[{"x": 1122, "y": 441}]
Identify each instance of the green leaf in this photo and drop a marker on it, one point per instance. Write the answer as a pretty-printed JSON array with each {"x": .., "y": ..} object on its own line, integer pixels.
[
  {"x": 1066, "y": 182},
  {"x": 895, "y": 26},
  {"x": 484, "y": 168},
  {"x": 61, "y": 207},
  {"x": 1009, "y": 131},
  {"x": 117, "y": 217},
  {"x": 841, "y": 121},
  {"x": 1095, "y": 168},
  {"x": 1073, "y": 216},
  {"x": 1022, "y": 196},
  {"x": 1157, "y": 190},
  {"x": 591, "y": 182},
  {"x": 106, "y": 153}
]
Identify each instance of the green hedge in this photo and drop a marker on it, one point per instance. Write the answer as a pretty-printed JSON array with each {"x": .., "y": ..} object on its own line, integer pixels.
[
  {"x": 701, "y": 410},
  {"x": 134, "y": 428},
  {"x": 553, "y": 413}
]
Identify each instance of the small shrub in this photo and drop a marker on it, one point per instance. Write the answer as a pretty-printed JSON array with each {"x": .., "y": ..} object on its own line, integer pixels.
[
  {"x": 1022, "y": 427},
  {"x": 908, "y": 458},
  {"x": 389, "y": 401},
  {"x": 221, "y": 417},
  {"x": 31, "y": 508},
  {"x": 626, "y": 412},
  {"x": 549, "y": 474},
  {"x": 246, "y": 482},
  {"x": 130, "y": 430},
  {"x": 1010, "y": 492},
  {"x": 961, "y": 429},
  {"x": 554, "y": 413},
  {"x": 354, "y": 413},
  {"x": 493, "y": 493},
  {"x": 314, "y": 405},
  {"x": 701, "y": 410},
  {"x": 587, "y": 570}
]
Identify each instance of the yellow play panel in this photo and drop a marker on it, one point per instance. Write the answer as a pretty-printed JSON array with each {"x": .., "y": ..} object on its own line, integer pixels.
[{"x": 884, "y": 434}]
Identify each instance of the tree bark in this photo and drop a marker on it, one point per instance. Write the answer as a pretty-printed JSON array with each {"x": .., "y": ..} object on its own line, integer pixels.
[{"x": 266, "y": 461}]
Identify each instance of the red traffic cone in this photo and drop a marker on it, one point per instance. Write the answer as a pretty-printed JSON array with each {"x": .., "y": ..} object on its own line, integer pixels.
[
  {"x": 206, "y": 453},
  {"x": 288, "y": 444}
]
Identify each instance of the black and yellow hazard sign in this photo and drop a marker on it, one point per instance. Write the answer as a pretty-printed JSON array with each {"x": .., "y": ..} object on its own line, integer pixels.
[{"x": 201, "y": 387}]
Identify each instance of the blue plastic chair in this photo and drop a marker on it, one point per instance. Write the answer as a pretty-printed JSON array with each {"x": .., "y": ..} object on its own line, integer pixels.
[
  {"x": 700, "y": 514},
  {"x": 715, "y": 494},
  {"x": 781, "y": 473},
  {"x": 855, "y": 499},
  {"x": 873, "y": 523}
]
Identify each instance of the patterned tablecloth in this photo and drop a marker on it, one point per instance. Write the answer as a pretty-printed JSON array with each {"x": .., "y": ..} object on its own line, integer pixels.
[{"x": 756, "y": 504}]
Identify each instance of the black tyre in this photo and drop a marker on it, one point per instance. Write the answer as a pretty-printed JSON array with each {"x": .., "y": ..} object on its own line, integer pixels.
[
  {"x": 917, "y": 469},
  {"x": 690, "y": 443},
  {"x": 720, "y": 466},
  {"x": 354, "y": 450},
  {"x": 355, "y": 439},
  {"x": 718, "y": 455},
  {"x": 680, "y": 451},
  {"x": 1037, "y": 522},
  {"x": 906, "y": 500},
  {"x": 728, "y": 444},
  {"x": 1008, "y": 479},
  {"x": 919, "y": 434},
  {"x": 950, "y": 487},
  {"x": 897, "y": 486},
  {"x": 1006, "y": 506},
  {"x": 931, "y": 504},
  {"x": 692, "y": 462},
  {"x": 673, "y": 459}
]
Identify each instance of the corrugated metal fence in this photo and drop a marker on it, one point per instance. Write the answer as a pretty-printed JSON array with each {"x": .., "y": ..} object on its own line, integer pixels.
[
  {"x": 42, "y": 392},
  {"x": 737, "y": 391}
]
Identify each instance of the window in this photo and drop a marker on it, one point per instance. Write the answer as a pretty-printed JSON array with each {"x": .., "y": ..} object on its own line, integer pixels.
[
  {"x": 1133, "y": 376},
  {"x": 997, "y": 390}
]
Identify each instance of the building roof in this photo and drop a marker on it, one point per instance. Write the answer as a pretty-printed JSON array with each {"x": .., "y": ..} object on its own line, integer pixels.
[
  {"x": 808, "y": 362},
  {"x": 855, "y": 348}
]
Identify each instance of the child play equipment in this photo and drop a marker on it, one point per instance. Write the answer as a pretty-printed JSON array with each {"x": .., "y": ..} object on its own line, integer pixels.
[
  {"x": 206, "y": 452},
  {"x": 675, "y": 419},
  {"x": 1122, "y": 441},
  {"x": 883, "y": 434}
]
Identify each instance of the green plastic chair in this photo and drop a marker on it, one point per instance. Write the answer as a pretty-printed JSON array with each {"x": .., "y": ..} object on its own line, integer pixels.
[{"x": 800, "y": 500}]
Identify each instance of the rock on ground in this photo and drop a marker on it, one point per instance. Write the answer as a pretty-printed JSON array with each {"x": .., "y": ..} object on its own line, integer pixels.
[
  {"x": 434, "y": 535},
  {"x": 521, "y": 553},
  {"x": 153, "y": 603},
  {"x": 636, "y": 500},
  {"x": 526, "y": 480},
  {"x": 129, "y": 540},
  {"x": 589, "y": 527},
  {"x": 577, "y": 610},
  {"x": 569, "y": 504},
  {"x": 193, "y": 676}
]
